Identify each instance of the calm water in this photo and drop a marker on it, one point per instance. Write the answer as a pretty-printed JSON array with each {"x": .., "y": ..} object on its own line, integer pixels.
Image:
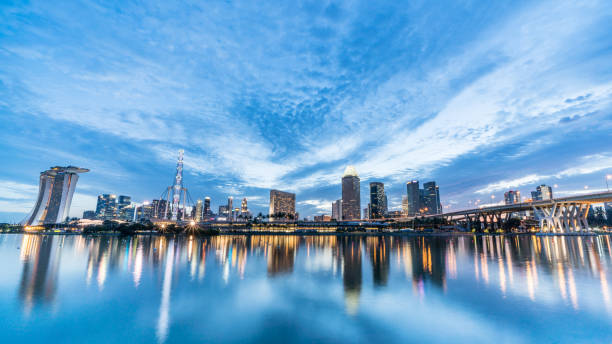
[{"x": 305, "y": 289}]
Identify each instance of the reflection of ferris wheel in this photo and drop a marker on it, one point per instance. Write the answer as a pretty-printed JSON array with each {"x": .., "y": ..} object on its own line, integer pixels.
[{"x": 176, "y": 196}]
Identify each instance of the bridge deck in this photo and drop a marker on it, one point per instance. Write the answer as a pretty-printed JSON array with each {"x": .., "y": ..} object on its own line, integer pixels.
[{"x": 588, "y": 198}]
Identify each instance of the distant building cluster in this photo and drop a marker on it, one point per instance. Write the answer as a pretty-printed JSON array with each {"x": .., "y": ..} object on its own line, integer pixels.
[
  {"x": 111, "y": 207},
  {"x": 416, "y": 202},
  {"x": 425, "y": 201},
  {"x": 542, "y": 193}
]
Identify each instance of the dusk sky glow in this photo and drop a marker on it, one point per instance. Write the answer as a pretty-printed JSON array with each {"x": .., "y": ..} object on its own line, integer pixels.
[{"x": 481, "y": 97}]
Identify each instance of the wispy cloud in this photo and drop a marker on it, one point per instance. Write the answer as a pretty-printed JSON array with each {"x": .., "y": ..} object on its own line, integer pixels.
[
  {"x": 264, "y": 95},
  {"x": 584, "y": 166}
]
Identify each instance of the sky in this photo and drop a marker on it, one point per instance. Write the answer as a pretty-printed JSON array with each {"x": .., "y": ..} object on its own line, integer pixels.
[{"x": 480, "y": 96}]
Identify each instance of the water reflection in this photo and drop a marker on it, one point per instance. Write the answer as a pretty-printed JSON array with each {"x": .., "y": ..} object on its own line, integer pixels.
[
  {"x": 39, "y": 271},
  {"x": 570, "y": 272}
]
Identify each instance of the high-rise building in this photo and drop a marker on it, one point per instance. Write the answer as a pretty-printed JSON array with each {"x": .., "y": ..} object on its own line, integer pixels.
[
  {"x": 413, "y": 197},
  {"x": 198, "y": 211},
  {"x": 207, "y": 209},
  {"x": 243, "y": 206},
  {"x": 282, "y": 205},
  {"x": 367, "y": 212},
  {"x": 147, "y": 211},
  {"x": 542, "y": 193},
  {"x": 55, "y": 192},
  {"x": 404, "y": 206},
  {"x": 337, "y": 210},
  {"x": 124, "y": 210},
  {"x": 431, "y": 199},
  {"x": 89, "y": 215},
  {"x": 545, "y": 192},
  {"x": 351, "y": 201},
  {"x": 378, "y": 201},
  {"x": 230, "y": 205},
  {"x": 223, "y": 211},
  {"x": 512, "y": 197},
  {"x": 422, "y": 201},
  {"x": 322, "y": 218},
  {"x": 106, "y": 208}
]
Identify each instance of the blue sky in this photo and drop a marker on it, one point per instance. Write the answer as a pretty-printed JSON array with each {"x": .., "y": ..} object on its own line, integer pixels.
[{"x": 479, "y": 96}]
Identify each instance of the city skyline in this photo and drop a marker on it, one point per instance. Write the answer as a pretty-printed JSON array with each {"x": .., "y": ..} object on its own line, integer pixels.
[{"x": 509, "y": 98}]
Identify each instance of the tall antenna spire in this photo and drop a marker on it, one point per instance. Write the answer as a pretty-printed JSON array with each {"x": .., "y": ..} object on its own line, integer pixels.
[{"x": 177, "y": 188}]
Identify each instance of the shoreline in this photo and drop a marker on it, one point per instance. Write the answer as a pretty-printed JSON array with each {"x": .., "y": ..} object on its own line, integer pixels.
[{"x": 278, "y": 233}]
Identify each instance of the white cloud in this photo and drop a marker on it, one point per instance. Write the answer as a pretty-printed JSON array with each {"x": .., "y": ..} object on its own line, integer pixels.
[
  {"x": 513, "y": 183},
  {"x": 17, "y": 191},
  {"x": 584, "y": 166},
  {"x": 323, "y": 205},
  {"x": 20, "y": 198}
]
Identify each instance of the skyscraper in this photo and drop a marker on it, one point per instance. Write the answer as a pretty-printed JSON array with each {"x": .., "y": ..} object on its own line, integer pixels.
[
  {"x": 243, "y": 206},
  {"x": 198, "y": 211},
  {"x": 124, "y": 211},
  {"x": 89, "y": 215},
  {"x": 147, "y": 211},
  {"x": 545, "y": 192},
  {"x": 230, "y": 204},
  {"x": 404, "y": 206},
  {"x": 431, "y": 198},
  {"x": 207, "y": 211},
  {"x": 337, "y": 210},
  {"x": 55, "y": 192},
  {"x": 413, "y": 197},
  {"x": 351, "y": 201},
  {"x": 223, "y": 211},
  {"x": 106, "y": 208},
  {"x": 542, "y": 193},
  {"x": 378, "y": 201},
  {"x": 282, "y": 205},
  {"x": 512, "y": 197}
]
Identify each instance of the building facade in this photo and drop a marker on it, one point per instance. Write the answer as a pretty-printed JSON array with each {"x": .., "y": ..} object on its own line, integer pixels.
[
  {"x": 322, "y": 218},
  {"x": 431, "y": 198},
  {"x": 543, "y": 193},
  {"x": 378, "y": 201},
  {"x": 351, "y": 198},
  {"x": 125, "y": 211},
  {"x": 146, "y": 211},
  {"x": 106, "y": 207},
  {"x": 512, "y": 197},
  {"x": 337, "y": 210},
  {"x": 198, "y": 211},
  {"x": 282, "y": 206},
  {"x": 413, "y": 197},
  {"x": 207, "y": 210},
  {"x": 55, "y": 193},
  {"x": 89, "y": 215}
]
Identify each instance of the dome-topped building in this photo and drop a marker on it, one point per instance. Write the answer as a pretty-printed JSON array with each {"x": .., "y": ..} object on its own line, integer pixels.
[
  {"x": 351, "y": 202},
  {"x": 350, "y": 172}
]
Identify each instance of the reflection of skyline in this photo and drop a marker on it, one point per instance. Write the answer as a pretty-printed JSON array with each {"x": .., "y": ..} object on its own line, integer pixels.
[
  {"x": 379, "y": 249},
  {"x": 523, "y": 266},
  {"x": 281, "y": 251},
  {"x": 39, "y": 273},
  {"x": 351, "y": 267}
]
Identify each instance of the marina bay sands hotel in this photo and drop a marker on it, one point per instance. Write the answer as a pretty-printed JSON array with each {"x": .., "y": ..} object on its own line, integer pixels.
[{"x": 55, "y": 193}]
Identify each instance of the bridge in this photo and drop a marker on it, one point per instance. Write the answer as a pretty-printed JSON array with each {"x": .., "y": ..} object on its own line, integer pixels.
[{"x": 558, "y": 215}]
